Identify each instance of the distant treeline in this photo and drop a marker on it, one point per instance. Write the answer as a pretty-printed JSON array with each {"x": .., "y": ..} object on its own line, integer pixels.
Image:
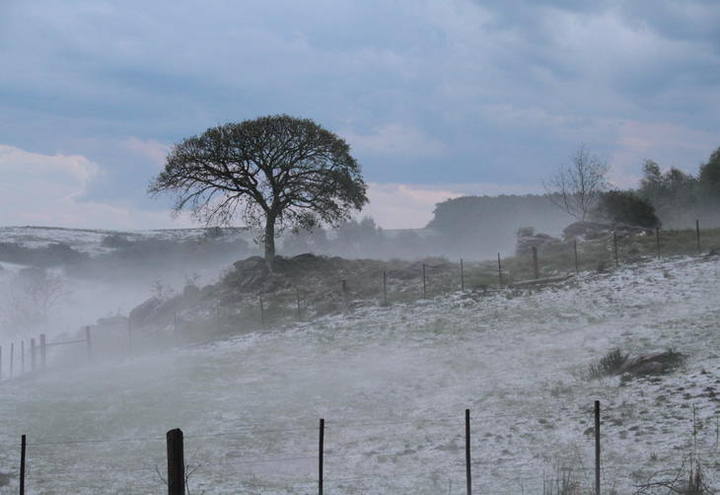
[
  {"x": 680, "y": 198},
  {"x": 471, "y": 226},
  {"x": 480, "y": 226},
  {"x": 491, "y": 223}
]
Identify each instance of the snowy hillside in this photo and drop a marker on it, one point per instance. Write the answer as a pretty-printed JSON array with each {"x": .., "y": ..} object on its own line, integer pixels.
[
  {"x": 91, "y": 241},
  {"x": 392, "y": 384}
]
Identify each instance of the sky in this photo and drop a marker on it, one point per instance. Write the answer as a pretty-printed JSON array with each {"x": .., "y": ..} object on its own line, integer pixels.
[{"x": 437, "y": 98}]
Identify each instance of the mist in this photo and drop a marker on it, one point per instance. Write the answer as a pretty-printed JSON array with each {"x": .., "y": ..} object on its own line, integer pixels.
[
  {"x": 195, "y": 299},
  {"x": 392, "y": 384}
]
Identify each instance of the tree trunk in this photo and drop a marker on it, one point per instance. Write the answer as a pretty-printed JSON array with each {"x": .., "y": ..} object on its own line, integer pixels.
[{"x": 269, "y": 242}]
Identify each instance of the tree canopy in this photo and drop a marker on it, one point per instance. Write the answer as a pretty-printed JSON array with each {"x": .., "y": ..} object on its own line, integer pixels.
[
  {"x": 709, "y": 176},
  {"x": 274, "y": 172},
  {"x": 626, "y": 207}
]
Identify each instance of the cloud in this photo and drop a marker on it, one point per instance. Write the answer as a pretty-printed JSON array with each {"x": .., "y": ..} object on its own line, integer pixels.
[
  {"x": 426, "y": 92},
  {"x": 669, "y": 144},
  {"x": 395, "y": 139},
  {"x": 51, "y": 190},
  {"x": 150, "y": 148},
  {"x": 38, "y": 189},
  {"x": 33, "y": 169}
]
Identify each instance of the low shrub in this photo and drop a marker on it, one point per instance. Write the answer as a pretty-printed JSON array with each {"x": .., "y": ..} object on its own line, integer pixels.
[{"x": 608, "y": 365}]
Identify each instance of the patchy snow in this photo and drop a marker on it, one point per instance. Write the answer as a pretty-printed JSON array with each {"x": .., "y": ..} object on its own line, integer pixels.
[
  {"x": 89, "y": 241},
  {"x": 392, "y": 384}
]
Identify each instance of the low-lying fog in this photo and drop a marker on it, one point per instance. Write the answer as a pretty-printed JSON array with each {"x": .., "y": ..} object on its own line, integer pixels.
[{"x": 392, "y": 384}]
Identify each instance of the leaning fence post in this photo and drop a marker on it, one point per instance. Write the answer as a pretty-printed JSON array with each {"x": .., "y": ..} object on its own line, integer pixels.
[
  {"x": 597, "y": 447},
  {"x": 321, "y": 456},
  {"x": 32, "y": 354},
  {"x": 500, "y": 276},
  {"x": 462, "y": 275},
  {"x": 468, "y": 468},
  {"x": 23, "y": 448},
  {"x": 88, "y": 342},
  {"x": 697, "y": 234},
  {"x": 536, "y": 267},
  {"x": 43, "y": 351},
  {"x": 176, "y": 462}
]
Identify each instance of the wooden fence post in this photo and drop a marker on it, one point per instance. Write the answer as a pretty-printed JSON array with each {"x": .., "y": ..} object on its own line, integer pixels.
[
  {"x": 615, "y": 249},
  {"x": 468, "y": 465},
  {"x": 321, "y": 456},
  {"x": 176, "y": 462},
  {"x": 500, "y": 276},
  {"x": 697, "y": 234},
  {"x": 657, "y": 241},
  {"x": 43, "y": 351},
  {"x": 297, "y": 299},
  {"x": 597, "y": 447},
  {"x": 88, "y": 342},
  {"x": 23, "y": 448},
  {"x": 32, "y": 354},
  {"x": 536, "y": 266},
  {"x": 385, "y": 299},
  {"x": 462, "y": 275},
  {"x": 424, "y": 280}
]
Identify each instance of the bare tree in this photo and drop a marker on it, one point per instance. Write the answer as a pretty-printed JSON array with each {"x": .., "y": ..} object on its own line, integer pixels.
[
  {"x": 30, "y": 297},
  {"x": 576, "y": 188},
  {"x": 275, "y": 172}
]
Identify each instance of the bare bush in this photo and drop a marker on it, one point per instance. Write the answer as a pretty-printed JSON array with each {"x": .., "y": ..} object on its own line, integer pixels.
[{"x": 577, "y": 188}]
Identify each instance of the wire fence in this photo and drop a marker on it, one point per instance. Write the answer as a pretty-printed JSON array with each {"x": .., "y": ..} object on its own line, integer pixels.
[
  {"x": 113, "y": 465},
  {"x": 444, "y": 455},
  {"x": 537, "y": 264}
]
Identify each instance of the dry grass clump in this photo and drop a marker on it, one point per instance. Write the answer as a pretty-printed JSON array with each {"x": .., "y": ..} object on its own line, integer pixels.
[{"x": 610, "y": 364}]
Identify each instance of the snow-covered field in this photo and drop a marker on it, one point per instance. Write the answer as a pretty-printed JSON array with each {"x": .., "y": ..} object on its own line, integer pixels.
[{"x": 393, "y": 384}]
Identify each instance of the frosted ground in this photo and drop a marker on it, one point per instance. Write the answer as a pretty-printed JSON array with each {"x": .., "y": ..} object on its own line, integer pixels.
[{"x": 392, "y": 384}]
